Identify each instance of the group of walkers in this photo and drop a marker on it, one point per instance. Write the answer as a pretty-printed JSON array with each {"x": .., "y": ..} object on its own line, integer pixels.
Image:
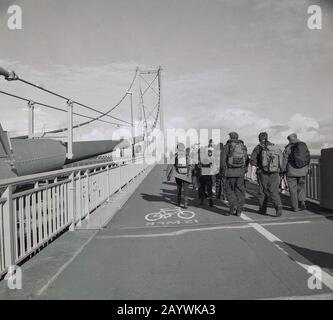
[{"x": 226, "y": 166}]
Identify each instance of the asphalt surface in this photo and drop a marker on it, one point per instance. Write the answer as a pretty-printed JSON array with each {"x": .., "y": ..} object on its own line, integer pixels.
[{"x": 198, "y": 254}]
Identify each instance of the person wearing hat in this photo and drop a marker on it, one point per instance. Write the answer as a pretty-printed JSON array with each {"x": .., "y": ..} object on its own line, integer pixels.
[
  {"x": 268, "y": 160},
  {"x": 297, "y": 159},
  {"x": 235, "y": 164},
  {"x": 183, "y": 173}
]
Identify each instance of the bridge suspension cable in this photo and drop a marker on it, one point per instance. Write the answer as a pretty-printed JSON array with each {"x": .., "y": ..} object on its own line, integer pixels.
[
  {"x": 61, "y": 110},
  {"x": 74, "y": 101},
  {"x": 12, "y": 76}
]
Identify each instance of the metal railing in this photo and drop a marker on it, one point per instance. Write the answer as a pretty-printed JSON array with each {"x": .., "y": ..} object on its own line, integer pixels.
[
  {"x": 35, "y": 209},
  {"x": 312, "y": 180}
]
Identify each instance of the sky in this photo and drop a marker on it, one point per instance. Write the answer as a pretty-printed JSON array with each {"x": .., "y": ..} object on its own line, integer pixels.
[{"x": 239, "y": 65}]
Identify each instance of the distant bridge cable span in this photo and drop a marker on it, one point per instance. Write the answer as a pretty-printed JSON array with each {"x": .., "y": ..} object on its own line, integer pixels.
[
  {"x": 58, "y": 109},
  {"x": 12, "y": 76},
  {"x": 149, "y": 85}
]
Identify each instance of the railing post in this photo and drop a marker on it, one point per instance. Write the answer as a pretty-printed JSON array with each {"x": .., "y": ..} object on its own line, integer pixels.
[
  {"x": 87, "y": 188},
  {"x": 31, "y": 120},
  {"x": 69, "y": 154},
  {"x": 71, "y": 201},
  {"x": 108, "y": 181},
  {"x": 8, "y": 226},
  {"x": 78, "y": 197}
]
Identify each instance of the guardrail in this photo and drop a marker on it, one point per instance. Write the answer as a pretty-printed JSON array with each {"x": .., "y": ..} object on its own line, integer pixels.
[
  {"x": 35, "y": 209},
  {"x": 312, "y": 180}
]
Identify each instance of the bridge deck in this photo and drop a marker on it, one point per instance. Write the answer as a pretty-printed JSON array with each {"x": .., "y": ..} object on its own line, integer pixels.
[{"x": 210, "y": 256}]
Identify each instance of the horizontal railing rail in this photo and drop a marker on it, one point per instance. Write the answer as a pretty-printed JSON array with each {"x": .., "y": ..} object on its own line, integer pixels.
[{"x": 37, "y": 208}]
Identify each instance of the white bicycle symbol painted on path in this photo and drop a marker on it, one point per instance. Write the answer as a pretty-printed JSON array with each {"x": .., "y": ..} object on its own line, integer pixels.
[{"x": 167, "y": 213}]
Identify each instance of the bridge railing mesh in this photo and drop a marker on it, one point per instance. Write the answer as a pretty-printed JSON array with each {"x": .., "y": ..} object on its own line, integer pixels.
[{"x": 35, "y": 210}]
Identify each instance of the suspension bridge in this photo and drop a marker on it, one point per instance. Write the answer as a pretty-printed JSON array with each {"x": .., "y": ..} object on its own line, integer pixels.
[{"x": 98, "y": 220}]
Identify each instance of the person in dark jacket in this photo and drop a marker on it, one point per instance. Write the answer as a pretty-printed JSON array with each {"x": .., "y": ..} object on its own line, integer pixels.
[
  {"x": 268, "y": 181},
  {"x": 219, "y": 181},
  {"x": 183, "y": 173},
  {"x": 296, "y": 177},
  {"x": 235, "y": 165}
]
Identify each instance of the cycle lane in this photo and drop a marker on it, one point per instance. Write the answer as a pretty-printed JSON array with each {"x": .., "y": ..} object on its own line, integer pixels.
[{"x": 132, "y": 260}]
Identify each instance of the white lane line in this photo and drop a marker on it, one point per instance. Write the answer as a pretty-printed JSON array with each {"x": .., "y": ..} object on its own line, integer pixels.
[
  {"x": 325, "y": 278},
  {"x": 170, "y": 234},
  {"x": 245, "y": 217},
  {"x": 283, "y": 223},
  {"x": 65, "y": 265},
  {"x": 183, "y": 231}
]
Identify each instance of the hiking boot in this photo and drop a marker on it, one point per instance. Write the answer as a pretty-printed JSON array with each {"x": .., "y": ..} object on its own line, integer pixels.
[
  {"x": 211, "y": 204},
  {"x": 303, "y": 206},
  {"x": 239, "y": 211},
  {"x": 279, "y": 212}
]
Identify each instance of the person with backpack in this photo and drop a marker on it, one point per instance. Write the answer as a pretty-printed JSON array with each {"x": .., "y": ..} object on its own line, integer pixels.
[
  {"x": 297, "y": 160},
  {"x": 207, "y": 170},
  {"x": 183, "y": 173},
  {"x": 235, "y": 164},
  {"x": 267, "y": 158}
]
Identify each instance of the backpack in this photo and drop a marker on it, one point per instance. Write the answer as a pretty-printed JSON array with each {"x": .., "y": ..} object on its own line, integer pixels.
[
  {"x": 271, "y": 156},
  {"x": 237, "y": 154},
  {"x": 182, "y": 163},
  {"x": 299, "y": 155}
]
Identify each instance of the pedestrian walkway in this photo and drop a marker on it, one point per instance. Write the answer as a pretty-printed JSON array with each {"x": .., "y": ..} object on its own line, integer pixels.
[{"x": 153, "y": 250}]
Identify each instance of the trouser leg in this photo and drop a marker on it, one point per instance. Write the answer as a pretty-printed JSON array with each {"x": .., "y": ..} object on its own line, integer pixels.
[
  {"x": 274, "y": 190},
  {"x": 240, "y": 192},
  {"x": 292, "y": 184},
  {"x": 218, "y": 187},
  {"x": 223, "y": 186},
  {"x": 301, "y": 189},
  {"x": 262, "y": 192},
  {"x": 230, "y": 189},
  {"x": 179, "y": 190},
  {"x": 185, "y": 187},
  {"x": 202, "y": 186},
  {"x": 209, "y": 186}
]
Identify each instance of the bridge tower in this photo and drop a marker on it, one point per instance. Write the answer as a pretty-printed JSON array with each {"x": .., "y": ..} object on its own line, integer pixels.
[{"x": 150, "y": 86}]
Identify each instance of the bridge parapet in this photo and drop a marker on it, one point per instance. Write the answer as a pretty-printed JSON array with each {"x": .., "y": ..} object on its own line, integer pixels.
[{"x": 37, "y": 208}]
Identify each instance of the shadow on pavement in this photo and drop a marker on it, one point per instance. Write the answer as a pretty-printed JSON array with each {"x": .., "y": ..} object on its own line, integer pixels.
[
  {"x": 317, "y": 258},
  {"x": 168, "y": 194},
  {"x": 313, "y": 208}
]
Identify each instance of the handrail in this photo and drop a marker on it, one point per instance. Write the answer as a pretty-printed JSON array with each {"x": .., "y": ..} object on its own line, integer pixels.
[{"x": 51, "y": 174}]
